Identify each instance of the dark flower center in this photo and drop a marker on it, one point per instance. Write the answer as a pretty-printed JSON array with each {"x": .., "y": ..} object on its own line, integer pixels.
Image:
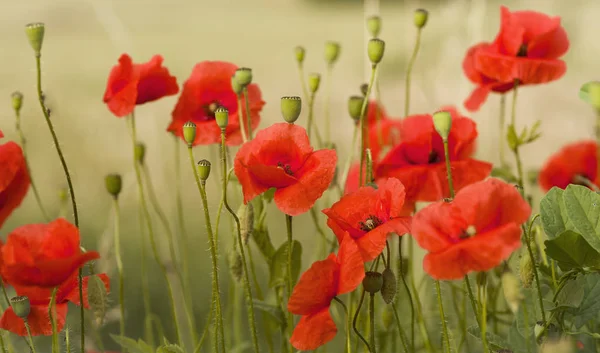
[
  {"x": 522, "y": 51},
  {"x": 468, "y": 233},
  {"x": 286, "y": 168},
  {"x": 370, "y": 223},
  {"x": 434, "y": 157},
  {"x": 209, "y": 110}
]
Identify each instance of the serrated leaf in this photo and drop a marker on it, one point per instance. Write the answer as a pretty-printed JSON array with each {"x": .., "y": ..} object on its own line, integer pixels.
[
  {"x": 131, "y": 345},
  {"x": 495, "y": 341},
  {"x": 278, "y": 266},
  {"x": 504, "y": 174},
  {"x": 511, "y": 137},
  {"x": 553, "y": 213},
  {"x": 571, "y": 250},
  {"x": 590, "y": 305},
  {"x": 584, "y": 92},
  {"x": 583, "y": 209},
  {"x": 274, "y": 311}
]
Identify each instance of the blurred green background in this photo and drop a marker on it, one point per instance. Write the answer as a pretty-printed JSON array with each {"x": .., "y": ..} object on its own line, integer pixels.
[{"x": 84, "y": 39}]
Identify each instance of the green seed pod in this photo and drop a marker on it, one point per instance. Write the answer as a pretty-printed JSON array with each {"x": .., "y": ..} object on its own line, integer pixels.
[
  {"x": 17, "y": 100},
  {"x": 113, "y": 184},
  {"x": 313, "y": 82},
  {"x": 355, "y": 107},
  {"x": 246, "y": 216},
  {"x": 374, "y": 25},
  {"x": 291, "y": 108},
  {"x": 442, "y": 121},
  {"x": 139, "y": 152},
  {"x": 21, "y": 306},
  {"x": 388, "y": 289},
  {"x": 235, "y": 265},
  {"x": 222, "y": 117},
  {"x": 235, "y": 86},
  {"x": 189, "y": 133},
  {"x": 243, "y": 76},
  {"x": 364, "y": 88},
  {"x": 526, "y": 270},
  {"x": 35, "y": 35},
  {"x": 375, "y": 49},
  {"x": 203, "y": 169},
  {"x": 98, "y": 298},
  {"x": 332, "y": 52},
  {"x": 373, "y": 282},
  {"x": 300, "y": 53},
  {"x": 512, "y": 290},
  {"x": 420, "y": 18}
]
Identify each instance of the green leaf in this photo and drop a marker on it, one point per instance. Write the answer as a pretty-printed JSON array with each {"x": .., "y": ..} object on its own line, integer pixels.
[
  {"x": 495, "y": 341},
  {"x": 571, "y": 251},
  {"x": 131, "y": 345},
  {"x": 504, "y": 174},
  {"x": 261, "y": 238},
  {"x": 278, "y": 266},
  {"x": 518, "y": 343},
  {"x": 526, "y": 317},
  {"x": 572, "y": 294},
  {"x": 273, "y": 310},
  {"x": 590, "y": 305},
  {"x": 553, "y": 213},
  {"x": 583, "y": 209},
  {"x": 170, "y": 348},
  {"x": 584, "y": 92},
  {"x": 512, "y": 138}
]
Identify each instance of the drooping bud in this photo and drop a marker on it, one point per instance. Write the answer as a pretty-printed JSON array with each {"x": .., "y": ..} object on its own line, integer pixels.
[
  {"x": 355, "y": 107},
  {"x": 189, "y": 133},
  {"x": 139, "y": 152},
  {"x": 313, "y": 82},
  {"x": 332, "y": 52},
  {"x": 375, "y": 49},
  {"x": 235, "y": 86},
  {"x": 291, "y": 108},
  {"x": 21, "y": 306},
  {"x": 526, "y": 270},
  {"x": 246, "y": 216},
  {"x": 420, "y": 18},
  {"x": 300, "y": 53},
  {"x": 374, "y": 25},
  {"x": 203, "y": 169},
  {"x": 35, "y": 34},
  {"x": 373, "y": 282},
  {"x": 222, "y": 117},
  {"x": 17, "y": 101},
  {"x": 235, "y": 265},
  {"x": 243, "y": 76},
  {"x": 97, "y": 297},
  {"x": 113, "y": 184},
  {"x": 388, "y": 289},
  {"x": 512, "y": 290},
  {"x": 364, "y": 89},
  {"x": 443, "y": 123}
]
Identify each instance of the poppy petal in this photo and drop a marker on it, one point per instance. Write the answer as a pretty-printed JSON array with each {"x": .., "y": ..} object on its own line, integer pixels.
[
  {"x": 155, "y": 81},
  {"x": 38, "y": 320},
  {"x": 71, "y": 290},
  {"x": 573, "y": 159},
  {"x": 527, "y": 71},
  {"x": 352, "y": 270},
  {"x": 477, "y": 97},
  {"x": 121, "y": 89},
  {"x": 14, "y": 179},
  {"x": 313, "y": 331},
  {"x": 323, "y": 275}
]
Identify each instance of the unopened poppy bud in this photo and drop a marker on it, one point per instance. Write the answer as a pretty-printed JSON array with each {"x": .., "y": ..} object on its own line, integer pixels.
[
  {"x": 21, "y": 306},
  {"x": 235, "y": 265},
  {"x": 243, "y": 75},
  {"x": 443, "y": 123},
  {"x": 375, "y": 49},
  {"x": 512, "y": 290},
  {"x": 594, "y": 93},
  {"x": 300, "y": 53},
  {"x": 97, "y": 298},
  {"x": 388, "y": 288},
  {"x": 203, "y": 169},
  {"x": 113, "y": 184},
  {"x": 332, "y": 52},
  {"x": 189, "y": 132},
  {"x": 35, "y": 34},
  {"x": 17, "y": 100},
  {"x": 355, "y": 107},
  {"x": 313, "y": 82},
  {"x": 291, "y": 108},
  {"x": 364, "y": 89},
  {"x": 222, "y": 117},
  {"x": 526, "y": 271},
  {"x": 139, "y": 152},
  {"x": 246, "y": 216},
  {"x": 420, "y": 18},
  {"x": 373, "y": 282},
  {"x": 235, "y": 86},
  {"x": 374, "y": 25}
]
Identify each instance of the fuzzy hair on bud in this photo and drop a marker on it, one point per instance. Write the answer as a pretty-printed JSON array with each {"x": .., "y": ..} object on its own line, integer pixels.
[{"x": 388, "y": 288}]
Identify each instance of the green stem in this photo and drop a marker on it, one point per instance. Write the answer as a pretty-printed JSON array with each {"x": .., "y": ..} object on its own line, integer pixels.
[
  {"x": 461, "y": 318},
  {"x": 580, "y": 179},
  {"x": 473, "y": 302},
  {"x": 117, "y": 241},
  {"x": 328, "y": 103},
  {"x": 448, "y": 168},
  {"x": 411, "y": 63},
  {"x": 290, "y": 281},
  {"x": 67, "y": 340},
  {"x": 363, "y": 123},
  {"x": 380, "y": 140},
  {"x": 219, "y": 330},
  {"x": 410, "y": 300},
  {"x": 243, "y": 128},
  {"x": 350, "y": 156},
  {"x": 401, "y": 332},
  {"x": 309, "y": 122},
  {"x": 247, "y": 289},
  {"x": 145, "y": 285},
  {"x": 205, "y": 331},
  {"x": 146, "y": 212},
  {"x": 29, "y": 337},
  {"x": 348, "y": 323},
  {"x": 3, "y": 346},
  {"x": 52, "y": 316},
  {"x": 248, "y": 113},
  {"x": 419, "y": 308},
  {"x": 535, "y": 271},
  {"x": 442, "y": 316},
  {"x": 372, "y": 322},
  {"x": 354, "y": 321},
  {"x": 483, "y": 294},
  {"x": 502, "y": 123},
  {"x": 302, "y": 81}
]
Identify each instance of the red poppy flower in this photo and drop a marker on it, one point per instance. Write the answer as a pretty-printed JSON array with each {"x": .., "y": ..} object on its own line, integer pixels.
[
  {"x": 132, "y": 84},
  {"x": 419, "y": 160},
  {"x": 39, "y": 299},
  {"x": 527, "y": 49},
  {"x": 383, "y": 136},
  {"x": 315, "y": 290},
  {"x": 208, "y": 88},
  {"x": 281, "y": 157},
  {"x": 369, "y": 215},
  {"x": 14, "y": 178},
  {"x": 567, "y": 165},
  {"x": 43, "y": 255},
  {"x": 485, "y": 84},
  {"x": 476, "y": 231}
]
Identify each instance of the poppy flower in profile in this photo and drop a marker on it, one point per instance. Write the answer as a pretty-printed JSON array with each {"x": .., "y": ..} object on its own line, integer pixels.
[
  {"x": 383, "y": 136},
  {"x": 476, "y": 231},
  {"x": 208, "y": 88},
  {"x": 281, "y": 157},
  {"x": 43, "y": 255},
  {"x": 132, "y": 84},
  {"x": 527, "y": 48},
  {"x": 39, "y": 299},
  {"x": 14, "y": 178},
  {"x": 315, "y": 290},
  {"x": 418, "y": 161},
  {"x": 368, "y": 215},
  {"x": 575, "y": 163}
]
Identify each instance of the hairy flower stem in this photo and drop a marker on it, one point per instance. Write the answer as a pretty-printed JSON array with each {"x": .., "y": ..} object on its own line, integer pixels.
[
  {"x": 348, "y": 323},
  {"x": 474, "y": 305},
  {"x": 409, "y": 68},
  {"x": 302, "y": 81},
  {"x": 483, "y": 328},
  {"x": 153, "y": 245},
  {"x": 52, "y": 316},
  {"x": 149, "y": 332},
  {"x": 502, "y": 123},
  {"x": 402, "y": 278},
  {"x": 29, "y": 338},
  {"x": 3, "y": 345},
  {"x": 363, "y": 124},
  {"x": 117, "y": 241},
  {"x": 248, "y": 113},
  {"x": 290, "y": 280},
  {"x": 63, "y": 162},
  {"x": 355, "y": 320},
  {"x": 442, "y": 317},
  {"x": 401, "y": 332},
  {"x": 246, "y": 278},
  {"x": 448, "y": 168},
  {"x": 310, "y": 122},
  {"x": 536, "y": 276},
  {"x": 23, "y": 142},
  {"x": 372, "y": 322}
]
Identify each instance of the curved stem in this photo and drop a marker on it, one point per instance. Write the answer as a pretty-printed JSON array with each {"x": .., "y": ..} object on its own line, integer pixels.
[
  {"x": 117, "y": 241},
  {"x": 243, "y": 126},
  {"x": 30, "y": 338},
  {"x": 290, "y": 281},
  {"x": 442, "y": 316},
  {"x": 364, "y": 125},
  {"x": 52, "y": 316},
  {"x": 67, "y": 341},
  {"x": 206, "y": 327},
  {"x": 535, "y": 270},
  {"x": 360, "y": 302},
  {"x": 248, "y": 113},
  {"x": 412, "y": 307},
  {"x": 247, "y": 289},
  {"x": 309, "y": 121},
  {"x": 3, "y": 345},
  {"x": 474, "y": 305},
  {"x": 411, "y": 63},
  {"x": 153, "y": 245},
  {"x": 372, "y": 322},
  {"x": 502, "y": 124},
  {"x": 401, "y": 332}
]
